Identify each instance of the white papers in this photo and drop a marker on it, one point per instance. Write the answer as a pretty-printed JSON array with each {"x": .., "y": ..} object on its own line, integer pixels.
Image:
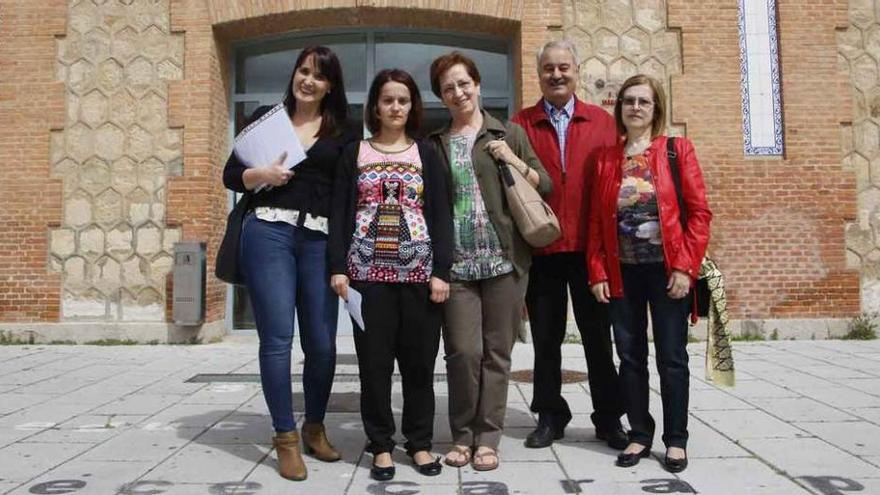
[
  {"x": 353, "y": 306},
  {"x": 267, "y": 138}
]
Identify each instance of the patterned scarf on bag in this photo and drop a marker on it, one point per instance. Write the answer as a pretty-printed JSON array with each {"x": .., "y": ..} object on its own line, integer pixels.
[{"x": 719, "y": 355}]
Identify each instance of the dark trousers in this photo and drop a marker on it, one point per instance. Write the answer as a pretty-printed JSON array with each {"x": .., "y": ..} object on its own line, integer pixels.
[
  {"x": 286, "y": 272},
  {"x": 645, "y": 286},
  {"x": 403, "y": 324},
  {"x": 550, "y": 280}
]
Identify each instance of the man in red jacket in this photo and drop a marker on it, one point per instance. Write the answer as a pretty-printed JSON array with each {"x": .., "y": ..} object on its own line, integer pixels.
[{"x": 566, "y": 134}]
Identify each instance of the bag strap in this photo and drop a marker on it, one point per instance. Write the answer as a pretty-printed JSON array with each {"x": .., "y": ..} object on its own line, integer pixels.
[{"x": 676, "y": 180}]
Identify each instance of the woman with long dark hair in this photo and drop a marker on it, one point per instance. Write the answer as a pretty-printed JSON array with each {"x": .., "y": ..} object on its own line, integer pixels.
[
  {"x": 283, "y": 255},
  {"x": 391, "y": 240}
]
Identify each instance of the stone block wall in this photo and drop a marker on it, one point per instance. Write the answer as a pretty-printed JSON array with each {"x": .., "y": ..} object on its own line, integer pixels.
[
  {"x": 113, "y": 156},
  {"x": 859, "y": 56},
  {"x": 617, "y": 39}
]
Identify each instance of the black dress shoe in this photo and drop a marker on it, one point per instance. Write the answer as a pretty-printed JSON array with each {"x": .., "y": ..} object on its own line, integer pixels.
[
  {"x": 616, "y": 438},
  {"x": 675, "y": 465},
  {"x": 381, "y": 473},
  {"x": 543, "y": 436},
  {"x": 629, "y": 460},
  {"x": 432, "y": 468}
]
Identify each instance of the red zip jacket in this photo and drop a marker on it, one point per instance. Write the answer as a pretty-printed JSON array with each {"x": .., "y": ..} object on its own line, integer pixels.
[
  {"x": 590, "y": 129},
  {"x": 682, "y": 251}
]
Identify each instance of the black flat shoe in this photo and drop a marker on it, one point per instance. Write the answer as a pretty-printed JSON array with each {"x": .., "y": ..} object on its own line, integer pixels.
[
  {"x": 541, "y": 437},
  {"x": 615, "y": 438},
  {"x": 432, "y": 468},
  {"x": 629, "y": 460},
  {"x": 381, "y": 473},
  {"x": 675, "y": 465}
]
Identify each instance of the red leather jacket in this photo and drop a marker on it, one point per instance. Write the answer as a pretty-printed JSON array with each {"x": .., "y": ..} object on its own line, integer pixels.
[
  {"x": 590, "y": 129},
  {"x": 682, "y": 251}
]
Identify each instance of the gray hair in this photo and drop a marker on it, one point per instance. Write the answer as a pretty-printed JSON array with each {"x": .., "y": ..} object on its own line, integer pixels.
[{"x": 563, "y": 44}]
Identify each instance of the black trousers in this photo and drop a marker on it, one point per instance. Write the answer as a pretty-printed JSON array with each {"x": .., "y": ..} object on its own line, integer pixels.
[
  {"x": 645, "y": 286},
  {"x": 550, "y": 279},
  {"x": 403, "y": 324}
]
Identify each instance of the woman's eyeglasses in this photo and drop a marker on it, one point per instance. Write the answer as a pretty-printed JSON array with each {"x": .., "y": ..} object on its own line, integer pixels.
[{"x": 631, "y": 101}]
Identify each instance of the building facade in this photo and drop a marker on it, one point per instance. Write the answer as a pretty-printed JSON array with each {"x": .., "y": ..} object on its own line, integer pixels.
[{"x": 116, "y": 118}]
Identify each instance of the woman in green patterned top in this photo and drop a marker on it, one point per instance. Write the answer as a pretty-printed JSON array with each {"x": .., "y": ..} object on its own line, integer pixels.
[{"x": 490, "y": 260}]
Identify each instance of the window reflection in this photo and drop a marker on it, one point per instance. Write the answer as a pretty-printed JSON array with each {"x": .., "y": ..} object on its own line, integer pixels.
[
  {"x": 266, "y": 69},
  {"x": 414, "y": 54}
]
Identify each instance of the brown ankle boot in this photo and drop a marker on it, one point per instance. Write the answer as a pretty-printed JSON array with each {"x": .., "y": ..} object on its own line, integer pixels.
[
  {"x": 315, "y": 442},
  {"x": 290, "y": 462}
]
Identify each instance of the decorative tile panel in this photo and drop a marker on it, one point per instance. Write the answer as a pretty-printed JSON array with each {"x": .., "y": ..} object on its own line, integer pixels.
[{"x": 761, "y": 86}]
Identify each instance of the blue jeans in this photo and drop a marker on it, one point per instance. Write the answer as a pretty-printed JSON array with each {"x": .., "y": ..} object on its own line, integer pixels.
[
  {"x": 286, "y": 269},
  {"x": 643, "y": 286}
]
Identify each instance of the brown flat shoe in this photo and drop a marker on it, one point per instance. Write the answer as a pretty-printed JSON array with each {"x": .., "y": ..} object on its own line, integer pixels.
[
  {"x": 461, "y": 454},
  {"x": 315, "y": 443},
  {"x": 485, "y": 460},
  {"x": 290, "y": 462}
]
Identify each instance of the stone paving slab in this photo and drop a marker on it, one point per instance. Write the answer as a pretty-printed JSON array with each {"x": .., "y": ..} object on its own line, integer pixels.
[
  {"x": 858, "y": 438},
  {"x": 803, "y": 418},
  {"x": 803, "y": 409},
  {"x": 747, "y": 424}
]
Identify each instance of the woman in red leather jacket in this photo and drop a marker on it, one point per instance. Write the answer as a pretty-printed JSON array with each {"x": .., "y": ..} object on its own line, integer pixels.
[{"x": 641, "y": 255}]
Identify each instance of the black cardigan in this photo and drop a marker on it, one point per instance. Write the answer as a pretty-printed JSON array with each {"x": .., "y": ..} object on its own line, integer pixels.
[
  {"x": 437, "y": 210},
  {"x": 311, "y": 187}
]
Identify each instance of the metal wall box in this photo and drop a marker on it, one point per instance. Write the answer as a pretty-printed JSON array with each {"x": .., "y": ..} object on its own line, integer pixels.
[{"x": 189, "y": 283}]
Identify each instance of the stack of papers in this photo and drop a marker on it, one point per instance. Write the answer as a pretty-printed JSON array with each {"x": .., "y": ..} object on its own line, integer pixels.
[{"x": 267, "y": 138}]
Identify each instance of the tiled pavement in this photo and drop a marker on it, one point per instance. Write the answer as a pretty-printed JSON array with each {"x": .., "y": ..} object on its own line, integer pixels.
[{"x": 803, "y": 418}]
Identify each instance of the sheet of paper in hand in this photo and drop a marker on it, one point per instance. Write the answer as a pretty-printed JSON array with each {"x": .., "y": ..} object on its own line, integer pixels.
[{"x": 265, "y": 139}]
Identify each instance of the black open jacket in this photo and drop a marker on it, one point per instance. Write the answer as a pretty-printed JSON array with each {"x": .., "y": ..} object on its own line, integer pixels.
[{"x": 311, "y": 188}]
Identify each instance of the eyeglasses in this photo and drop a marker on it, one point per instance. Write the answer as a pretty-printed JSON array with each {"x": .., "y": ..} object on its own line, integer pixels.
[
  {"x": 631, "y": 101},
  {"x": 449, "y": 89}
]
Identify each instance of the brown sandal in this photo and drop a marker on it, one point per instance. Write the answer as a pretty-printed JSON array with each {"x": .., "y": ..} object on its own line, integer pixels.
[
  {"x": 481, "y": 465},
  {"x": 463, "y": 456}
]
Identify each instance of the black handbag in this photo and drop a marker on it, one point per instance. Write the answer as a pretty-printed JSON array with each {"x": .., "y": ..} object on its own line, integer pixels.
[
  {"x": 226, "y": 264},
  {"x": 700, "y": 293}
]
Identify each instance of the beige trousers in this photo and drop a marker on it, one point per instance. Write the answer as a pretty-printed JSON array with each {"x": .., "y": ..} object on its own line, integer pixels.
[{"x": 481, "y": 321}]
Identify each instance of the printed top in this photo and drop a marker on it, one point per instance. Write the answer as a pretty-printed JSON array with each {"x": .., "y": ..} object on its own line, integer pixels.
[
  {"x": 478, "y": 254},
  {"x": 638, "y": 219},
  {"x": 390, "y": 241}
]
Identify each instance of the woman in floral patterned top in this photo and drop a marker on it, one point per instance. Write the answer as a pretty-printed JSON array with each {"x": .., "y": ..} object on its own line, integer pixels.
[
  {"x": 644, "y": 252},
  {"x": 391, "y": 240},
  {"x": 490, "y": 261}
]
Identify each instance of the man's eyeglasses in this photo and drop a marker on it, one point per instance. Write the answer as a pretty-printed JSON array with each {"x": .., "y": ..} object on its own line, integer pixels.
[{"x": 631, "y": 101}]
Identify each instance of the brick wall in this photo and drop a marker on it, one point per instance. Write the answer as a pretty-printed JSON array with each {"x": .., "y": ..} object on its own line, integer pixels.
[
  {"x": 31, "y": 103},
  {"x": 778, "y": 231},
  {"x": 197, "y": 200}
]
